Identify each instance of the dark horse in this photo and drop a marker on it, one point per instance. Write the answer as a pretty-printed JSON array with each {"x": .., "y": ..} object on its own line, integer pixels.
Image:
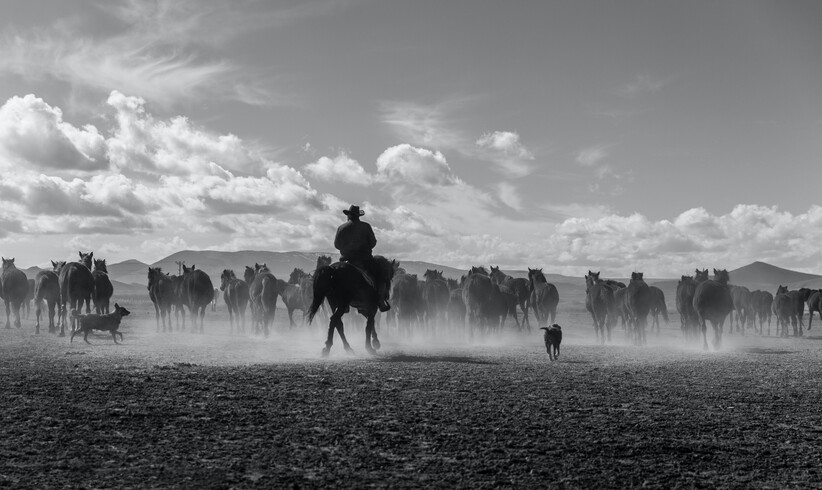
[
  {"x": 103, "y": 289},
  {"x": 477, "y": 289},
  {"x": 713, "y": 302},
  {"x": 599, "y": 299},
  {"x": 161, "y": 291},
  {"x": 344, "y": 286},
  {"x": 291, "y": 294},
  {"x": 658, "y": 307},
  {"x": 407, "y": 298},
  {"x": 46, "y": 289},
  {"x": 519, "y": 287},
  {"x": 76, "y": 288},
  {"x": 638, "y": 302},
  {"x": 544, "y": 297},
  {"x": 685, "y": 290},
  {"x": 263, "y": 292},
  {"x": 197, "y": 293},
  {"x": 235, "y": 296},
  {"x": 761, "y": 302},
  {"x": 784, "y": 310},
  {"x": 307, "y": 287},
  {"x": 14, "y": 286},
  {"x": 435, "y": 296}
]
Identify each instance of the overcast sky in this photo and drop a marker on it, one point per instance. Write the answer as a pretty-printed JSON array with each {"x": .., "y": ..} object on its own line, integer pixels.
[{"x": 653, "y": 136}]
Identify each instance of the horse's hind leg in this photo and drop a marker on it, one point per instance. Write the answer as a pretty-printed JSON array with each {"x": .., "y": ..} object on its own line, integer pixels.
[
  {"x": 8, "y": 315},
  {"x": 16, "y": 307},
  {"x": 332, "y": 324}
]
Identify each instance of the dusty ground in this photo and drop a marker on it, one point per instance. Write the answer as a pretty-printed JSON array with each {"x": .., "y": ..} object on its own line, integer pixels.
[{"x": 217, "y": 411}]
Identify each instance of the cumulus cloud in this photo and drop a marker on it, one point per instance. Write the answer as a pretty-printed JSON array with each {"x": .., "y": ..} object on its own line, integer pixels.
[
  {"x": 341, "y": 168},
  {"x": 505, "y": 149},
  {"x": 403, "y": 164},
  {"x": 33, "y": 133}
]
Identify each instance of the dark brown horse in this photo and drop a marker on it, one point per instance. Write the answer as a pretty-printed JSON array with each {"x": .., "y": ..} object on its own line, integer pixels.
[
  {"x": 435, "y": 296},
  {"x": 476, "y": 293},
  {"x": 236, "y": 297},
  {"x": 761, "y": 302},
  {"x": 263, "y": 292},
  {"x": 799, "y": 297},
  {"x": 519, "y": 287},
  {"x": 29, "y": 298},
  {"x": 658, "y": 307},
  {"x": 292, "y": 299},
  {"x": 598, "y": 301},
  {"x": 343, "y": 286},
  {"x": 47, "y": 290},
  {"x": 407, "y": 305},
  {"x": 742, "y": 314},
  {"x": 785, "y": 311},
  {"x": 14, "y": 286},
  {"x": 713, "y": 302},
  {"x": 103, "y": 289},
  {"x": 544, "y": 297},
  {"x": 638, "y": 302},
  {"x": 197, "y": 292},
  {"x": 814, "y": 305},
  {"x": 685, "y": 289},
  {"x": 161, "y": 291},
  {"x": 76, "y": 288}
]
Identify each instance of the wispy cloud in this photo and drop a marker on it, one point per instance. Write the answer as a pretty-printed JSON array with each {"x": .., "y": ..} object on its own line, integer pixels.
[
  {"x": 167, "y": 51},
  {"x": 425, "y": 125},
  {"x": 505, "y": 149},
  {"x": 642, "y": 84},
  {"x": 590, "y": 157}
]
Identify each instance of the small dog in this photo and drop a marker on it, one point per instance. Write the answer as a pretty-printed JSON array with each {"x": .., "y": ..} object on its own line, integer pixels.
[
  {"x": 553, "y": 337},
  {"x": 108, "y": 323}
]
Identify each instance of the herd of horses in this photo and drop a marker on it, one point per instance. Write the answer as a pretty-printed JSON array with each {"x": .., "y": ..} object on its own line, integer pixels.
[
  {"x": 67, "y": 287},
  {"x": 479, "y": 303},
  {"x": 699, "y": 300}
]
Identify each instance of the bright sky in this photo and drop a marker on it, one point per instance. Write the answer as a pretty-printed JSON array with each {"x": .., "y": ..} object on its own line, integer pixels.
[{"x": 653, "y": 136}]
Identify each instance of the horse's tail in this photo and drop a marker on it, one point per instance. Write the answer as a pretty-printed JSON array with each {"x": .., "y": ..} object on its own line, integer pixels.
[
  {"x": 322, "y": 285},
  {"x": 664, "y": 310}
]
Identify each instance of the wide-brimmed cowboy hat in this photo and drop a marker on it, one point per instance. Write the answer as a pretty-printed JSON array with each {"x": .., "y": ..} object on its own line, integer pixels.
[{"x": 355, "y": 210}]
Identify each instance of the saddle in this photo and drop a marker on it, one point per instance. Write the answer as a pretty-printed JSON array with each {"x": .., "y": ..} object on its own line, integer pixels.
[{"x": 364, "y": 273}]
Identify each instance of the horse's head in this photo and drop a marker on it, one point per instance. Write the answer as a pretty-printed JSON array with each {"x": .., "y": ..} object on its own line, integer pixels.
[
  {"x": 323, "y": 260},
  {"x": 296, "y": 276},
  {"x": 262, "y": 268},
  {"x": 701, "y": 275},
  {"x": 590, "y": 279},
  {"x": 8, "y": 263},
  {"x": 86, "y": 259},
  {"x": 56, "y": 266},
  {"x": 536, "y": 275},
  {"x": 249, "y": 274},
  {"x": 637, "y": 276},
  {"x": 154, "y": 274},
  {"x": 452, "y": 284},
  {"x": 721, "y": 276},
  {"x": 226, "y": 277},
  {"x": 397, "y": 267},
  {"x": 685, "y": 278},
  {"x": 479, "y": 270},
  {"x": 187, "y": 269},
  {"x": 432, "y": 275},
  {"x": 781, "y": 289},
  {"x": 497, "y": 275},
  {"x": 100, "y": 265}
]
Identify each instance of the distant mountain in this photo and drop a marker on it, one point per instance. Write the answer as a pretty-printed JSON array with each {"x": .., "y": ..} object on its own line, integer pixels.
[
  {"x": 760, "y": 273},
  {"x": 128, "y": 272}
]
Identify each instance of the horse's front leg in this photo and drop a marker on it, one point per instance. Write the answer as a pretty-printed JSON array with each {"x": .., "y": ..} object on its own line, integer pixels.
[
  {"x": 335, "y": 319},
  {"x": 370, "y": 332},
  {"x": 8, "y": 314}
]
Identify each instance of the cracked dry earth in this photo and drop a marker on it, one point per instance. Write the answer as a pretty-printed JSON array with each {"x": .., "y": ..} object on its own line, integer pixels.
[{"x": 222, "y": 411}]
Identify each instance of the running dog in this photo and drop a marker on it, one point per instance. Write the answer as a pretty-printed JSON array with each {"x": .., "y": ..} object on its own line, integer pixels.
[
  {"x": 553, "y": 337},
  {"x": 107, "y": 323}
]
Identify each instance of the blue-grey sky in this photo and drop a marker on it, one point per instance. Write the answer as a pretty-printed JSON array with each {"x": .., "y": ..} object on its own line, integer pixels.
[{"x": 636, "y": 135}]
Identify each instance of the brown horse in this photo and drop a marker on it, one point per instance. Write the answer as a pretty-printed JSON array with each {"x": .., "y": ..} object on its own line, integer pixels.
[
  {"x": 103, "y": 289},
  {"x": 236, "y": 297},
  {"x": 47, "y": 290},
  {"x": 406, "y": 294},
  {"x": 344, "y": 287},
  {"x": 292, "y": 297},
  {"x": 76, "y": 288},
  {"x": 638, "y": 302},
  {"x": 814, "y": 305},
  {"x": 761, "y": 302},
  {"x": 161, "y": 291},
  {"x": 658, "y": 307},
  {"x": 476, "y": 293},
  {"x": 519, "y": 287},
  {"x": 713, "y": 302},
  {"x": 14, "y": 286},
  {"x": 197, "y": 292},
  {"x": 598, "y": 300},
  {"x": 263, "y": 292},
  {"x": 435, "y": 296},
  {"x": 544, "y": 297},
  {"x": 785, "y": 311}
]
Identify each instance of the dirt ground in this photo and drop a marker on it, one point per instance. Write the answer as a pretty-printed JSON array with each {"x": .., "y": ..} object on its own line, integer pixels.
[{"x": 222, "y": 411}]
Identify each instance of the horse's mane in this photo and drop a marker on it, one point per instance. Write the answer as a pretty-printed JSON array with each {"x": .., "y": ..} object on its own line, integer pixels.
[
  {"x": 386, "y": 266},
  {"x": 479, "y": 270}
]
